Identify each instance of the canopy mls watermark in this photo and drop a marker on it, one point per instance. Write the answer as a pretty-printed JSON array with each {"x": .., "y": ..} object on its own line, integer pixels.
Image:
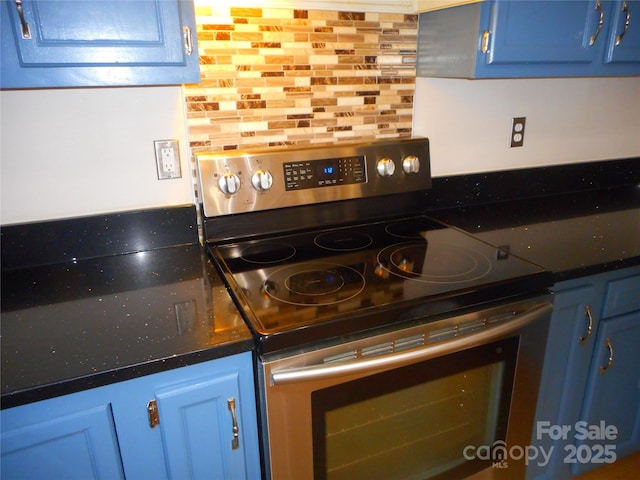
[{"x": 499, "y": 453}]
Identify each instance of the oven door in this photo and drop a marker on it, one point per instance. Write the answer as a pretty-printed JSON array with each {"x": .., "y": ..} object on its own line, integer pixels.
[{"x": 441, "y": 400}]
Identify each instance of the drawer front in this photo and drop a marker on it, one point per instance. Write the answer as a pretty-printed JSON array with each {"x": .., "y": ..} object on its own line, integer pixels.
[{"x": 623, "y": 296}]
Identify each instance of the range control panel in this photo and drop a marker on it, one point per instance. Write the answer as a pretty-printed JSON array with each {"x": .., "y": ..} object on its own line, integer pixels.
[
  {"x": 242, "y": 182},
  {"x": 324, "y": 173}
]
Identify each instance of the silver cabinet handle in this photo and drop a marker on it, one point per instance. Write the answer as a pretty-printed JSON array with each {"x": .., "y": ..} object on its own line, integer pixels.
[
  {"x": 24, "y": 26},
  {"x": 625, "y": 10},
  {"x": 187, "y": 40},
  {"x": 395, "y": 360},
  {"x": 594, "y": 37},
  {"x": 235, "y": 441},
  {"x": 610, "y": 359},
  {"x": 587, "y": 312}
]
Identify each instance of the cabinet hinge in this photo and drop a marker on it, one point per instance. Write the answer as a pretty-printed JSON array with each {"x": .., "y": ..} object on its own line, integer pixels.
[
  {"x": 152, "y": 413},
  {"x": 484, "y": 47}
]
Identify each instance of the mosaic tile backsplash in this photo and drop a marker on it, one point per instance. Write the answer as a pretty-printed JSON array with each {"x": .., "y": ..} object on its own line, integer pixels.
[{"x": 277, "y": 77}]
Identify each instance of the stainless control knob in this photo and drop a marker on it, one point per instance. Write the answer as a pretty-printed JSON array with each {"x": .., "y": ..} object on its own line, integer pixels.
[
  {"x": 229, "y": 183},
  {"x": 385, "y": 167},
  {"x": 262, "y": 180},
  {"x": 411, "y": 164}
]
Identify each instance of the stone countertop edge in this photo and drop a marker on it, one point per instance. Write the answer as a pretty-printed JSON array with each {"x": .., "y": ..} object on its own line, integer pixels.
[{"x": 74, "y": 385}]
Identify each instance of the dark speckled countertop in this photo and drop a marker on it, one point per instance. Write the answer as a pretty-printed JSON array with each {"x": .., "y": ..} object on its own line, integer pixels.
[
  {"x": 80, "y": 323},
  {"x": 574, "y": 220},
  {"x": 97, "y": 300}
]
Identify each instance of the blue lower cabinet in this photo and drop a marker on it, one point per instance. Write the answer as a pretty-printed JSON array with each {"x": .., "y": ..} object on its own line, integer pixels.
[
  {"x": 570, "y": 345},
  {"x": 208, "y": 424},
  {"x": 200, "y": 425},
  {"x": 611, "y": 411},
  {"x": 70, "y": 438},
  {"x": 588, "y": 411},
  {"x": 196, "y": 422}
]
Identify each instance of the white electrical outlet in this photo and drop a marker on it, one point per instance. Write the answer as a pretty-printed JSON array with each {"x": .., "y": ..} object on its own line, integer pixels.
[{"x": 167, "y": 159}]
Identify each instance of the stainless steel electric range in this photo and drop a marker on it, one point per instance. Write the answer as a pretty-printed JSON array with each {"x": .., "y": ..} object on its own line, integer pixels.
[{"x": 386, "y": 342}]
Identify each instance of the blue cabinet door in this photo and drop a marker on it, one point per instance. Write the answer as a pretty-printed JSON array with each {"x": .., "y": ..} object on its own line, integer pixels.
[
  {"x": 569, "y": 349},
  {"x": 623, "y": 41},
  {"x": 525, "y": 32},
  {"x": 71, "y": 437},
  {"x": 200, "y": 424},
  {"x": 49, "y": 43},
  {"x": 105, "y": 433},
  {"x": 193, "y": 439},
  {"x": 531, "y": 38},
  {"x": 613, "y": 395},
  {"x": 561, "y": 39},
  {"x": 573, "y": 392}
]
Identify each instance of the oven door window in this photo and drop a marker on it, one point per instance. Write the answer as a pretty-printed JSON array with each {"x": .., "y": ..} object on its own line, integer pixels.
[{"x": 416, "y": 421}]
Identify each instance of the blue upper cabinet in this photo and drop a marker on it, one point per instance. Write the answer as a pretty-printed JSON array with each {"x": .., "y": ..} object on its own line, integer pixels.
[
  {"x": 623, "y": 41},
  {"x": 67, "y": 43},
  {"x": 529, "y": 32},
  {"x": 511, "y": 39}
]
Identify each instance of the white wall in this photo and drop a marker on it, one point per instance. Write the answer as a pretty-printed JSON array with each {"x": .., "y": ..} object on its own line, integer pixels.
[
  {"x": 73, "y": 152},
  {"x": 468, "y": 122}
]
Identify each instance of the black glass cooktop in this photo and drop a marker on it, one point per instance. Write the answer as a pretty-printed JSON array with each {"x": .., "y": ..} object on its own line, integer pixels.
[{"x": 317, "y": 285}]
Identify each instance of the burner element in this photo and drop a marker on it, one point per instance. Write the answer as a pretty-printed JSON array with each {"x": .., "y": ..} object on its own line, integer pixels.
[
  {"x": 413, "y": 229},
  {"x": 434, "y": 262},
  {"x": 267, "y": 252},
  {"x": 343, "y": 241},
  {"x": 314, "y": 284}
]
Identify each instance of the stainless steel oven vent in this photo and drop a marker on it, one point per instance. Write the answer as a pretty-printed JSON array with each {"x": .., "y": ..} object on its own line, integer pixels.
[{"x": 383, "y": 348}]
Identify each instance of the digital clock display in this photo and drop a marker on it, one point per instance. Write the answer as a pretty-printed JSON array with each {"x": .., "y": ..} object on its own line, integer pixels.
[{"x": 327, "y": 169}]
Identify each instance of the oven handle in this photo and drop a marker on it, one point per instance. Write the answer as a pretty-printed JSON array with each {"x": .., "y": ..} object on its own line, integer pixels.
[{"x": 397, "y": 360}]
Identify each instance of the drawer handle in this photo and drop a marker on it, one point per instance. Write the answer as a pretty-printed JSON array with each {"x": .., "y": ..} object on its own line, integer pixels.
[
  {"x": 24, "y": 26},
  {"x": 610, "y": 359},
  {"x": 594, "y": 37},
  {"x": 625, "y": 10},
  {"x": 587, "y": 312},
  {"x": 235, "y": 441}
]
